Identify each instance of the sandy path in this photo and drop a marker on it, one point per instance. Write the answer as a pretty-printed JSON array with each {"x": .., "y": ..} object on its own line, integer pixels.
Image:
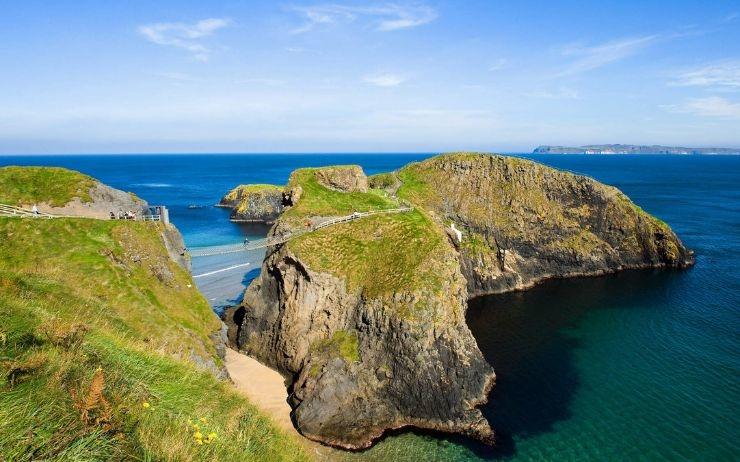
[{"x": 265, "y": 388}]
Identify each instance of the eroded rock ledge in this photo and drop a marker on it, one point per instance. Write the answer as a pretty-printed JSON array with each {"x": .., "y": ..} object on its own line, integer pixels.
[{"x": 367, "y": 319}]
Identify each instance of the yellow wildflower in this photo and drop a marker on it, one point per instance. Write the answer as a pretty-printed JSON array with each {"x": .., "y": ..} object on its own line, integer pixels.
[
  {"x": 198, "y": 436},
  {"x": 203, "y": 419},
  {"x": 146, "y": 405}
]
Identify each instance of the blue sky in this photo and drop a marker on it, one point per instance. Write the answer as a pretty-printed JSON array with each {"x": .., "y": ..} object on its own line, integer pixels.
[{"x": 358, "y": 76}]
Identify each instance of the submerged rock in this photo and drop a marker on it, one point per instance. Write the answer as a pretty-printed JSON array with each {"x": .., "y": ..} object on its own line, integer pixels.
[
  {"x": 254, "y": 202},
  {"x": 367, "y": 319}
]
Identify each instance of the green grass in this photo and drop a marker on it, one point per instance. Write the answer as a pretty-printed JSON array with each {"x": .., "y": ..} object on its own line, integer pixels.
[
  {"x": 52, "y": 185},
  {"x": 235, "y": 193},
  {"x": 382, "y": 180},
  {"x": 97, "y": 331},
  {"x": 380, "y": 254},
  {"x": 318, "y": 200}
]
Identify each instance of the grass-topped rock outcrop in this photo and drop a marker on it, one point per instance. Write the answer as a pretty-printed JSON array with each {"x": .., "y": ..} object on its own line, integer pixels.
[
  {"x": 254, "y": 202},
  {"x": 523, "y": 222},
  {"x": 64, "y": 192},
  {"x": 367, "y": 318}
]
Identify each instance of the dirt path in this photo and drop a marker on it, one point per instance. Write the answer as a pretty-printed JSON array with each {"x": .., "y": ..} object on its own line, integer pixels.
[{"x": 265, "y": 388}]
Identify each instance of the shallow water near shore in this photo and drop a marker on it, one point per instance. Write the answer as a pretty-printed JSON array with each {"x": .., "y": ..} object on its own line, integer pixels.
[{"x": 638, "y": 365}]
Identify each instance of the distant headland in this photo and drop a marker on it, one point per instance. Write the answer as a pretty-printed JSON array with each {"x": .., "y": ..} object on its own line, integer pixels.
[{"x": 630, "y": 149}]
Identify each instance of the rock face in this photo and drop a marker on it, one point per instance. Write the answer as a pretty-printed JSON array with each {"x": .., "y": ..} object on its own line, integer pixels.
[
  {"x": 349, "y": 178},
  {"x": 363, "y": 363},
  {"x": 367, "y": 319},
  {"x": 254, "y": 203}
]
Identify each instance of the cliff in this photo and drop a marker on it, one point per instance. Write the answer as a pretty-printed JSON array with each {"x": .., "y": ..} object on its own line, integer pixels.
[
  {"x": 367, "y": 319},
  {"x": 630, "y": 149},
  {"x": 109, "y": 352},
  {"x": 254, "y": 202},
  {"x": 523, "y": 222}
]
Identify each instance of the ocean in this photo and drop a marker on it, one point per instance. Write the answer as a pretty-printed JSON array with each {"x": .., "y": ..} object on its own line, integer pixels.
[{"x": 642, "y": 365}]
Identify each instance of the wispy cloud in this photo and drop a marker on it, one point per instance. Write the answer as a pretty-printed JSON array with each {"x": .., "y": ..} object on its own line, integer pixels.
[
  {"x": 384, "y": 17},
  {"x": 384, "y": 80},
  {"x": 183, "y": 35},
  {"x": 586, "y": 58},
  {"x": 498, "y": 64},
  {"x": 718, "y": 74},
  {"x": 711, "y": 106},
  {"x": 731, "y": 17},
  {"x": 561, "y": 93}
]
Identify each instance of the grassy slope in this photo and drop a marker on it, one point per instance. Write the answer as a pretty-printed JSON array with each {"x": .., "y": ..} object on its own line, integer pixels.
[
  {"x": 381, "y": 254},
  {"x": 53, "y": 185},
  {"x": 512, "y": 202},
  {"x": 243, "y": 189},
  {"x": 96, "y": 325}
]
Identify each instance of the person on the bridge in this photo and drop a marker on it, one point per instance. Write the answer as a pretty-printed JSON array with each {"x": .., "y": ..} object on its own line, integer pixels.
[{"x": 35, "y": 210}]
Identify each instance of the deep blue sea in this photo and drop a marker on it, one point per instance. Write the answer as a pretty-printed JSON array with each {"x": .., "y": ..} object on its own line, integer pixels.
[{"x": 642, "y": 365}]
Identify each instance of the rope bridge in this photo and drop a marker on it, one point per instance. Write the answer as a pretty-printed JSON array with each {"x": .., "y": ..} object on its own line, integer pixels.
[{"x": 281, "y": 239}]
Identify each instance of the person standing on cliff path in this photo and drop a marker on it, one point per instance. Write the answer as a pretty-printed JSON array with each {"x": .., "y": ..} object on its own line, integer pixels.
[{"x": 35, "y": 210}]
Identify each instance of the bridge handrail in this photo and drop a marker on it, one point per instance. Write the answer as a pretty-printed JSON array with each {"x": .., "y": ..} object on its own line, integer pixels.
[{"x": 13, "y": 211}]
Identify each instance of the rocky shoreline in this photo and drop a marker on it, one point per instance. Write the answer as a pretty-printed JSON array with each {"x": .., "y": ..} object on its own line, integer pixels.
[{"x": 367, "y": 320}]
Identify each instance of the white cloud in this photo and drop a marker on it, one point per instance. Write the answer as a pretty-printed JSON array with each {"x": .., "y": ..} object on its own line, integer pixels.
[
  {"x": 561, "y": 93},
  {"x": 719, "y": 74},
  {"x": 185, "y": 36},
  {"x": 384, "y": 17},
  {"x": 587, "y": 58},
  {"x": 711, "y": 106},
  {"x": 384, "y": 80}
]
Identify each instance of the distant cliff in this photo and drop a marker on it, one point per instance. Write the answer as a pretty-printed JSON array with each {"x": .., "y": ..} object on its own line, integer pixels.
[{"x": 630, "y": 149}]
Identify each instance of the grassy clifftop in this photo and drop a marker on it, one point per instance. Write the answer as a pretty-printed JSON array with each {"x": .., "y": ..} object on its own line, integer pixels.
[
  {"x": 105, "y": 348},
  {"x": 382, "y": 253},
  {"x": 316, "y": 199},
  {"x": 53, "y": 185}
]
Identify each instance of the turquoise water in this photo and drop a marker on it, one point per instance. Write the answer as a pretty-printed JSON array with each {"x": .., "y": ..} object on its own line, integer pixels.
[{"x": 641, "y": 365}]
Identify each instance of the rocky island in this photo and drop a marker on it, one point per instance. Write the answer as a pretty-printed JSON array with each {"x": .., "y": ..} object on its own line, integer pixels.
[
  {"x": 366, "y": 319},
  {"x": 630, "y": 149},
  {"x": 259, "y": 203}
]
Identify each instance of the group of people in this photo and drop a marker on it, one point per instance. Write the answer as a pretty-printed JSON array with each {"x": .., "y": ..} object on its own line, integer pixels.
[{"x": 128, "y": 215}]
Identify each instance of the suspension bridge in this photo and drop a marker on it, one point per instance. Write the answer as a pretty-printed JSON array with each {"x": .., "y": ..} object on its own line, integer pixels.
[{"x": 270, "y": 241}]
